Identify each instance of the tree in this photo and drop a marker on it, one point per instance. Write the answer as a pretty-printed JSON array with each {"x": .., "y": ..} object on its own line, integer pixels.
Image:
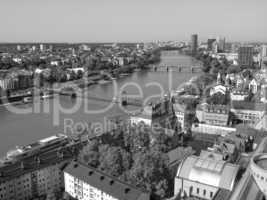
[
  {"x": 79, "y": 74},
  {"x": 161, "y": 142},
  {"x": 115, "y": 161},
  {"x": 150, "y": 172},
  {"x": 90, "y": 154},
  {"x": 137, "y": 138},
  {"x": 233, "y": 69}
]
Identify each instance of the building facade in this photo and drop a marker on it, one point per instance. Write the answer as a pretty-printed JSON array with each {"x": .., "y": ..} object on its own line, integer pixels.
[
  {"x": 194, "y": 44},
  {"x": 180, "y": 112},
  {"x": 217, "y": 115},
  {"x": 210, "y": 43},
  {"x": 245, "y": 56}
]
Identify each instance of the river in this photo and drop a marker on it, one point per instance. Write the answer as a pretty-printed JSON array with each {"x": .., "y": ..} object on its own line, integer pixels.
[{"x": 22, "y": 129}]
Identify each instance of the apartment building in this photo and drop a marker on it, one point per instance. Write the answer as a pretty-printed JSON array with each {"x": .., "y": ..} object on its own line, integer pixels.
[
  {"x": 86, "y": 183},
  {"x": 217, "y": 115}
]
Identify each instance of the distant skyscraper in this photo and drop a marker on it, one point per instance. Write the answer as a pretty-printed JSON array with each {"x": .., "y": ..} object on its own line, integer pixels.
[
  {"x": 50, "y": 47},
  {"x": 194, "y": 43},
  {"x": 210, "y": 43},
  {"x": 18, "y": 47},
  {"x": 42, "y": 48},
  {"x": 264, "y": 51},
  {"x": 234, "y": 47},
  {"x": 221, "y": 44},
  {"x": 245, "y": 56}
]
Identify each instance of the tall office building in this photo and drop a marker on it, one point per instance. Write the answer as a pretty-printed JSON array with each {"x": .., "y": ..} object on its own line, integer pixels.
[
  {"x": 245, "y": 56},
  {"x": 264, "y": 51},
  {"x": 18, "y": 48},
  {"x": 210, "y": 43},
  {"x": 42, "y": 47},
  {"x": 50, "y": 47},
  {"x": 194, "y": 44},
  {"x": 33, "y": 48},
  {"x": 221, "y": 44}
]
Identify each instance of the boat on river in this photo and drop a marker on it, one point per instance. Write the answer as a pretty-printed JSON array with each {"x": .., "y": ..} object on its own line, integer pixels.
[
  {"x": 102, "y": 82},
  {"x": 27, "y": 100}
]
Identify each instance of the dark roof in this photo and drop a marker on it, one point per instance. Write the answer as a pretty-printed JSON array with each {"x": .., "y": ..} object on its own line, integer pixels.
[
  {"x": 242, "y": 105},
  {"x": 106, "y": 183},
  {"x": 176, "y": 155}
]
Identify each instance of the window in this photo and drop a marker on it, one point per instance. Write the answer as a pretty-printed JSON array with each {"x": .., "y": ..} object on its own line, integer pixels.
[
  {"x": 211, "y": 194},
  {"x": 204, "y": 192},
  {"x": 197, "y": 190}
]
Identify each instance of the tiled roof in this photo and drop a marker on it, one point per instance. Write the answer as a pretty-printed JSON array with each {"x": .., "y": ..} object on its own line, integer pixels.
[{"x": 105, "y": 183}]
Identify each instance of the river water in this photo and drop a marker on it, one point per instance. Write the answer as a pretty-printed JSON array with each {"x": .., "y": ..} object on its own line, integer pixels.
[{"x": 22, "y": 129}]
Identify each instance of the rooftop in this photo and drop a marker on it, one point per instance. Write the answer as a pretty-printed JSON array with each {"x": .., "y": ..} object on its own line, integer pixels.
[
  {"x": 242, "y": 105},
  {"x": 209, "y": 171},
  {"x": 106, "y": 183}
]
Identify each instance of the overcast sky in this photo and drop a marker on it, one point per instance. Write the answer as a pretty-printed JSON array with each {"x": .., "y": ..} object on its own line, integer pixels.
[{"x": 131, "y": 20}]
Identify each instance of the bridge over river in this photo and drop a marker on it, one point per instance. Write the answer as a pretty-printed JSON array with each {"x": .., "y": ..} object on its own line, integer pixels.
[
  {"x": 124, "y": 100},
  {"x": 182, "y": 69}
]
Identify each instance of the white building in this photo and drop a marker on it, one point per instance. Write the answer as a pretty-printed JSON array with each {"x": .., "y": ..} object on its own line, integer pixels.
[
  {"x": 144, "y": 116},
  {"x": 86, "y": 183},
  {"x": 264, "y": 93},
  {"x": 212, "y": 129},
  {"x": 238, "y": 95},
  {"x": 254, "y": 86},
  {"x": 264, "y": 51},
  {"x": 42, "y": 47},
  {"x": 205, "y": 177},
  {"x": 218, "y": 89},
  {"x": 76, "y": 70}
]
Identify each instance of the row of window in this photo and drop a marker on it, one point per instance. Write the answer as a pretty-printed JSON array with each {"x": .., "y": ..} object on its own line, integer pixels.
[
  {"x": 260, "y": 177},
  {"x": 204, "y": 192}
]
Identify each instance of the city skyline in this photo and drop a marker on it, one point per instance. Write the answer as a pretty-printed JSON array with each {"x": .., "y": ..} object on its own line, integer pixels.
[{"x": 128, "y": 21}]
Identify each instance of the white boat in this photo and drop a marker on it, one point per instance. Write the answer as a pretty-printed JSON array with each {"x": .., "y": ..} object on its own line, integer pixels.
[
  {"x": 101, "y": 82},
  {"x": 124, "y": 74},
  {"x": 47, "y": 96},
  {"x": 27, "y": 100}
]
